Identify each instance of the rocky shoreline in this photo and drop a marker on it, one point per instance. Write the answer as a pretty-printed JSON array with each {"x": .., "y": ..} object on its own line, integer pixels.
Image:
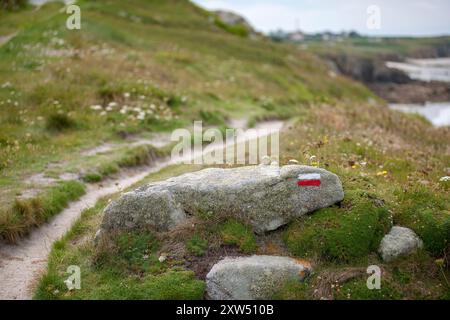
[
  {"x": 414, "y": 92},
  {"x": 393, "y": 85}
]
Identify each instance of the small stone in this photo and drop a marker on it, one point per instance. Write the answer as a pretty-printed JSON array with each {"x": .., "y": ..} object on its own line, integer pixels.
[
  {"x": 399, "y": 242},
  {"x": 253, "y": 278},
  {"x": 292, "y": 161},
  {"x": 162, "y": 258}
]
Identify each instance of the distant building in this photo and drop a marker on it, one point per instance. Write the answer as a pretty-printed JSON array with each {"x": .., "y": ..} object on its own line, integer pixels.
[{"x": 296, "y": 36}]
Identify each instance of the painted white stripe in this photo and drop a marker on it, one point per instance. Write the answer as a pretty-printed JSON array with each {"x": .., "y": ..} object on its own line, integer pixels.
[{"x": 309, "y": 176}]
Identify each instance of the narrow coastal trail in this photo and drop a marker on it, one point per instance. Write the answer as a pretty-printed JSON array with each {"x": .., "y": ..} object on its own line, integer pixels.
[
  {"x": 5, "y": 39},
  {"x": 21, "y": 264}
]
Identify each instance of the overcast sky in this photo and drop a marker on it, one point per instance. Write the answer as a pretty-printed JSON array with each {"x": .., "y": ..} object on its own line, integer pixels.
[{"x": 398, "y": 17}]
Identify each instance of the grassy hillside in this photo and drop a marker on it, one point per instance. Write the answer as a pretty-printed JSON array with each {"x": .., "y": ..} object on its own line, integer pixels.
[
  {"x": 134, "y": 67},
  {"x": 139, "y": 68}
]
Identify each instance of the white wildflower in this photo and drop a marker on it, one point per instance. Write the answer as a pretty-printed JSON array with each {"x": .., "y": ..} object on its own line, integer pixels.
[
  {"x": 141, "y": 116},
  {"x": 6, "y": 85},
  {"x": 96, "y": 107}
]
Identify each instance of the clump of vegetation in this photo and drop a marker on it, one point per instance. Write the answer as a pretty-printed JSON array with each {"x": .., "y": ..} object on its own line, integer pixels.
[
  {"x": 92, "y": 177},
  {"x": 59, "y": 122},
  {"x": 236, "y": 233},
  {"x": 28, "y": 213},
  {"x": 294, "y": 290},
  {"x": 138, "y": 156},
  {"x": 238, "y": 30},
  {"x": 212, "y": 117},
  {"x": 425, "y": 212},
  {"x": 197, "y": 245},
  {"x": 341, "y": 233},
  {"x": 129, "y": 157},
  {"x": 131, "y": 253},
  {"x": 356, "y": 289},
  {"x": 102, "y": 171}
]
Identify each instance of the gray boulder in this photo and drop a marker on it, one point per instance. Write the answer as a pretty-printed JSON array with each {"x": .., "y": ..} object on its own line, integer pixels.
[
  {"x": 233, "y": 19},
  {"x": 253, "y": 278},
  {"x": 399, "y": 242},
  {"x": 265, "y": 196}
]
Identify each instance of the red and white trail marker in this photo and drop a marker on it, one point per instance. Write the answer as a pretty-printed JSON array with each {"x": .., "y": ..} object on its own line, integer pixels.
[{"x": 309, "y": 180}]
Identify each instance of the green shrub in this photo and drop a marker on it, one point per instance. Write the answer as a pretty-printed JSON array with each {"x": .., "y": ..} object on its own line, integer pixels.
[
  {"x": 197, "y": 245},
  {"x": 235, "y": 233},
  {"x": 92, "y": 177},
  {"x": 340, "y": 233},
  {"x": 59, "y": 122}
]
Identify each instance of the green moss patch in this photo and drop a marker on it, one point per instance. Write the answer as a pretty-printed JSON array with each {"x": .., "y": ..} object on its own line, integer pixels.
[
  {"x": 340, "y": 233},
  {"x": 197, "y": 245},
  {"x": 238, "y": 234},
  {"x": 356, "y": 289},
  {"x": 135, "y": 253},
  {"x": 425, "y": 212}
]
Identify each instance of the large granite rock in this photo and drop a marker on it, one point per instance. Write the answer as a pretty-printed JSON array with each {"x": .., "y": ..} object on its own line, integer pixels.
[
  {"x": 253, "y": 278},
  {"x": 266, "y": 196},
  {"x": 399, "y": 242}
]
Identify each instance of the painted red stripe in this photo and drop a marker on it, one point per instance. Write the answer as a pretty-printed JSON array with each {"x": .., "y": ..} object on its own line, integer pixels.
[{"x": 309, "y": 183}]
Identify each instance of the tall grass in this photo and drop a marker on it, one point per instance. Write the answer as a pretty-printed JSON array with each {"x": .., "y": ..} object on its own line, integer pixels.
[{"x": 28, "y": 213}]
